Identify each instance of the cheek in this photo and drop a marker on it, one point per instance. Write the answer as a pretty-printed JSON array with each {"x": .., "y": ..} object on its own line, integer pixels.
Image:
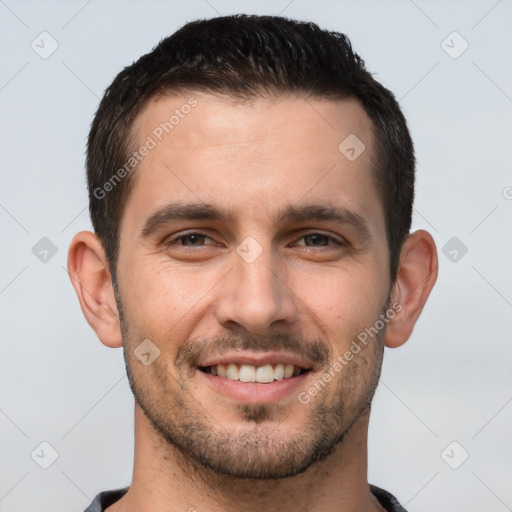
[
  {"x": 343, "y": 302},
  {"x": 162, "y": 299}
]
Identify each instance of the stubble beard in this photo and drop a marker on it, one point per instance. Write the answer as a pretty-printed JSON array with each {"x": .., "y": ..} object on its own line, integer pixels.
[{"x": 256, "y": 449}]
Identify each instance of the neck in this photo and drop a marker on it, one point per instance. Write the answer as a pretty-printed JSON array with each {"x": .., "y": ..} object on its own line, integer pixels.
[{"x": 165, "y": 480}]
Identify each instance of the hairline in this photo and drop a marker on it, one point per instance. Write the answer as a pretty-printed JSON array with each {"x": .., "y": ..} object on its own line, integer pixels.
[{"x": 132, "y": 141}]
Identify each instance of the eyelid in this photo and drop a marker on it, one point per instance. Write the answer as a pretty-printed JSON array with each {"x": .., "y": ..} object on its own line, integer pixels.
[
  {"x": 338, "y": 240},
  {"x": 170, "y": 240}
]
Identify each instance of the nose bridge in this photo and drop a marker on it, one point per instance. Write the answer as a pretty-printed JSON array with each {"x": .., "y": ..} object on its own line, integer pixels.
[
  {"x": 255, "y": 295},
  {"x": 258, "y": 281}
]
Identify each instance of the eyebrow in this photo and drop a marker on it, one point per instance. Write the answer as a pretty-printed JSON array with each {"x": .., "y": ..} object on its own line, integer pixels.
[
  {"x": 183, "y": 211},
  {"x": 290, "y": 213}
]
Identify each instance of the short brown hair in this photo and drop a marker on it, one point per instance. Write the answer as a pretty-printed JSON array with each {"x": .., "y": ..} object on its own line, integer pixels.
[{"x": 248, "y": 57}]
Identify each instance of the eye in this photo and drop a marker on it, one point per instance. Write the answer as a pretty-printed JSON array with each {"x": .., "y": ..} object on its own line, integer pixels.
[
  {"x": 196, "y": 239},
  {"x": 188, "y": 240},
  {"x": 320, "y": 240}
]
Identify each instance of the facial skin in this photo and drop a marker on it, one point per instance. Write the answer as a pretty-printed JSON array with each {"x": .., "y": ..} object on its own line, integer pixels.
[{"x": 314, "y": 286}]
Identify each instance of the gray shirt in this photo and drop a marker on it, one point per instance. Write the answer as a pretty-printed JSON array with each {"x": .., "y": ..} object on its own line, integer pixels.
[{"x": 107, "y": 498}]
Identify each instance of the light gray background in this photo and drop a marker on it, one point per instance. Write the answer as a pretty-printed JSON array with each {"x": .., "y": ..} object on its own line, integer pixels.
[{"x": 451, "y": 382}]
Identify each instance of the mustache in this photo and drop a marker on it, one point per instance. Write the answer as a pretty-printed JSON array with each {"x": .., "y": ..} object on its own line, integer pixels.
[{"x": 190, "y": 354}]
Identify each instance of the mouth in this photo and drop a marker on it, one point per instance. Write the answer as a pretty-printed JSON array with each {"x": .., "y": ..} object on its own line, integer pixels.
[
  {"x": 256, "y": 378},
  {"x": 263, "y": 374}
]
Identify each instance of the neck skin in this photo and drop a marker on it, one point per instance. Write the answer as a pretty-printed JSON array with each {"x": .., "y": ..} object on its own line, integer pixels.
[{"x": 164, "y": 481}]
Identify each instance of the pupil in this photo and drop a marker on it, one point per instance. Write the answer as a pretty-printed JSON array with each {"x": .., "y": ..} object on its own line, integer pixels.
[
  {"x": 192, "y": 238},
  {"x": 317, "y": 239}
]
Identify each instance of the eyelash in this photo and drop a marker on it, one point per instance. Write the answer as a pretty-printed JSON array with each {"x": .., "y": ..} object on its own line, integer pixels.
[{"x": 176, "y": 238}]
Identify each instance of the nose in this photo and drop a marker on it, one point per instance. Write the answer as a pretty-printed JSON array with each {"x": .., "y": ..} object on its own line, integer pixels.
[{"x": 255, "y": 296}]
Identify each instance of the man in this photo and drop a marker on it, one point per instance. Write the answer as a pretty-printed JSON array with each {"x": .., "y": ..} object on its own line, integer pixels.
[{"x": 251, "y": 190}]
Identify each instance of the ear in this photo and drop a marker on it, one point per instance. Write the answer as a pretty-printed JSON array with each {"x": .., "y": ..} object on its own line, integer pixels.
[
  {"x": 416, "y": 276},
  {"x": 90, "y": 275}
]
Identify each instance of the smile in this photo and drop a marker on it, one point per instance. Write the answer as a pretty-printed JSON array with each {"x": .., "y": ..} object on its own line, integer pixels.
[{"x": 264, "y": 374}]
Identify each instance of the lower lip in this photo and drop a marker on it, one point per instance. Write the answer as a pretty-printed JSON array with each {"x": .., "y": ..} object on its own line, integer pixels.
[{"x": 253, "y": 392}]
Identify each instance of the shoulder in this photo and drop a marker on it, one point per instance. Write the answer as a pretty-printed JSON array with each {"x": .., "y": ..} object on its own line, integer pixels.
[
  {"x": 105, "y": 499},
  {"x": 386, "y": 499}
]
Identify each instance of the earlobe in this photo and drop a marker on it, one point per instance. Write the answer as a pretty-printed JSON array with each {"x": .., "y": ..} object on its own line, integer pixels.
[
  {"x": 91, "y": 279},
  {"x": 416, "y": 276}
]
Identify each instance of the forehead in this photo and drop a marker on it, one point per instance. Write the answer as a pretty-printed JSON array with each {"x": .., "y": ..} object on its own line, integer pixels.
[
  {"x": 197, "y": 119},
  {"x": 252, "y": 158}
]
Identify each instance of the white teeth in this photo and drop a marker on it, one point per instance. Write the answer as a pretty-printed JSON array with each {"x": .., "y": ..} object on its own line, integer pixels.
[
  {"x": 265, "y": 374},
  {"x": 279, "y": 371},
  {"x": 232, "y": 371},
  {"x": 249, "y": 373}
]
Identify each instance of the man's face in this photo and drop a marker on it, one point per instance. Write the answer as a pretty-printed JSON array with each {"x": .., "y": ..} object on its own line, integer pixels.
[{"x": 278, "y": 280}]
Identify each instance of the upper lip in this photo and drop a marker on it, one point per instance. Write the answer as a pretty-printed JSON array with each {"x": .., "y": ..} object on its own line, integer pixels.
[{"x": 257, "y": 359}]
